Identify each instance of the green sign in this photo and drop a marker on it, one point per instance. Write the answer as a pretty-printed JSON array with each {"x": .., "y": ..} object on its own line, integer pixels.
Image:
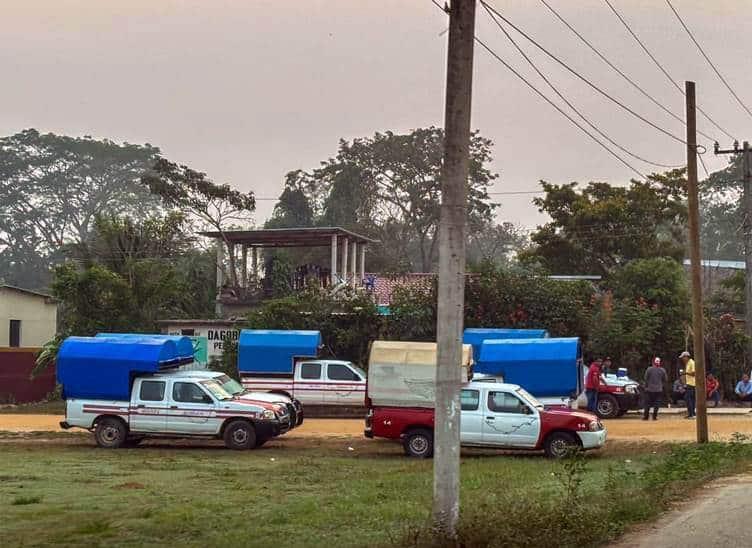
[{"x": 200, "y": 345}]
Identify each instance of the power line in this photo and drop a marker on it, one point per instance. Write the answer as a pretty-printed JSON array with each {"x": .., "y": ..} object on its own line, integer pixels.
[
  {"x": 588, "y": 82},
  {"x": 563, "y": 98},
  {"x": 705, "y": 55},
  {"x": 662, "y": 69},
  {"x": 618, "y": 70}
]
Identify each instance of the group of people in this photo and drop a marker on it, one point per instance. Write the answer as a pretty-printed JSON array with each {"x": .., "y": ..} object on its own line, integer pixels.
[{"x": 656, "y": 378}]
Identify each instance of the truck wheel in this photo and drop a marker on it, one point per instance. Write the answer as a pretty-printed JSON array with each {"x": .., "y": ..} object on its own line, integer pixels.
[
  {"x": 560, "y": 444},
  {"x": 110, "y": 433},
  {"x": 240, "y": 435},
  {"x": 607, "y": 407},
  {"x": 419, "y": 443}
]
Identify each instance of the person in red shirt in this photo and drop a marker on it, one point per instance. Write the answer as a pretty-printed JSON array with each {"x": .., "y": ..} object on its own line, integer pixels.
[
  {"x": 713, "y": 389},
  {"x": 592, "y": 382}
]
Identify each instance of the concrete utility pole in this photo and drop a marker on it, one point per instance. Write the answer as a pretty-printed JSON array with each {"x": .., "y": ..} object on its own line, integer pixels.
[
  {"x": 746, "y": 153},
  {"x": 446, "y": 464},
  {"x": 693, "y": 204}
]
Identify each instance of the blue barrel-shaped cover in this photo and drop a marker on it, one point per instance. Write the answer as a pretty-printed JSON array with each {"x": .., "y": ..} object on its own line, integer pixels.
[
  {"x": 543, "y": 367},
  {"x": 184, "y": 344},
  {"x": 476, "y": 335},
  {"x": 270, "y": 351},
  {"x": 103, "y": 368}
]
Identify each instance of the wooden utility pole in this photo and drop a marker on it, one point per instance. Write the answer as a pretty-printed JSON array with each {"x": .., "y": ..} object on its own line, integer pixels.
[
  {"x": 446, "y": 464},
  {"x": 693, "y": 204},
  {"x": 747, "y": 230}
]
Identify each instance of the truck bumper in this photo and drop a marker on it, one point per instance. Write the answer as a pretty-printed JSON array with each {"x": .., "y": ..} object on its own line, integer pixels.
[{"x": 592, "y": 440}]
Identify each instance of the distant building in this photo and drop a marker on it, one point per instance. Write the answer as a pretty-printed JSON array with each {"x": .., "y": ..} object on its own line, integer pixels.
[
  {"x": 209, "y": 336},
  {"x": 714, "y": 272},
  {"x": 27, "y": 318}
]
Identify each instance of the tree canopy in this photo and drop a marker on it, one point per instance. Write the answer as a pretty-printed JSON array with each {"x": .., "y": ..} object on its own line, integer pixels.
[
  {"x": 601, "y": 227},
  {"x": 51, "y": 189}
]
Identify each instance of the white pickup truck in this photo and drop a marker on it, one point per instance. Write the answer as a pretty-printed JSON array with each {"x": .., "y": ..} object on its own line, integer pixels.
[
  {"x": 180, "y": 404},
  {"x": 314, "y": 382}
]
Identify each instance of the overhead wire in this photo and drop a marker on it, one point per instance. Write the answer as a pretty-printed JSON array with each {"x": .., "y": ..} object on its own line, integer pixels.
[
  {"x": 586, "y": 80},
  {"x": 705, "y": 55},
  {"x": 661, "y": 68},
  {"x": 569, "y": 103},
  {"x": 620, "y": 72}
]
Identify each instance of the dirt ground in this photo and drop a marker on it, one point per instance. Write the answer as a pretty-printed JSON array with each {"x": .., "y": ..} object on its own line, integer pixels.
[{"x": 669, "y": 428}]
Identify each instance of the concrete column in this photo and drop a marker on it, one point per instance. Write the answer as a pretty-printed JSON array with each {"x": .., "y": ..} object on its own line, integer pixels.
[
  {"x": 362, "y": 263},
  {"x": 244, "y": 263},
  {"x": 354, "y": 268},
  {"x": 333, "y": 267},
  {"x": 254, "y": 266},
  {"x": 345, "y": 245},
  {"x": 220, "y": 276}
]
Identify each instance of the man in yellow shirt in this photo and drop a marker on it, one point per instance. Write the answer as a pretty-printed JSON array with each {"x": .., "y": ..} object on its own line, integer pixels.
[{"x": 689, "y": 372}]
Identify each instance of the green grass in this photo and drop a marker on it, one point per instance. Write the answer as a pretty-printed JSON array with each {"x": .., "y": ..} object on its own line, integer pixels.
[{"x": 323, "y": 494}]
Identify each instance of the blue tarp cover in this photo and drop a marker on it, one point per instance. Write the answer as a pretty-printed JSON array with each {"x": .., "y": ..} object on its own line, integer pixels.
[
  {"x": 543, "y": 367},
  {"x": 184, "y": 344},
  {"x": 476, "y": 335},
  {"x": 103, "y": 368},
  {"x": 269, "y": 351}
]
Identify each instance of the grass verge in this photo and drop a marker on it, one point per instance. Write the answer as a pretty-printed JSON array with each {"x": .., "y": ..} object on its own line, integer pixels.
[{"x": 338, "y": 493}]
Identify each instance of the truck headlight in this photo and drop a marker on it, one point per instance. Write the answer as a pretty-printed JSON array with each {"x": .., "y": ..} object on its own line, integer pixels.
[
  {"x": 595, "y": 426},
  {"x": 268, "y": 414}
]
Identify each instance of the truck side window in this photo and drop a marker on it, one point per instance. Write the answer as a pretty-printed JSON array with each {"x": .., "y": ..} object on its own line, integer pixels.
[
  {"x": 310, "y": 371},
  {"x": 504, "y": 402},
  {"x": 339, "y": 372},
  {"x": 152, "y": 391},
  {"x": 469, "y": 400},
  {"x": 189, "y": 392}
]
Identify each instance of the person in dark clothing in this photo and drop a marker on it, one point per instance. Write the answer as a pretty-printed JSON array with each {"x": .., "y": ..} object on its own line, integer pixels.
[
  {"x": 655, "y": 378},
  {"x": 679, "y": 389}
]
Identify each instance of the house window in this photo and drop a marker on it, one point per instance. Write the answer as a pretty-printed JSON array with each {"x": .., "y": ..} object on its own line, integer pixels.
[
  {"x": 14, "y": 336},
  {"x": 188, "y": 332}
]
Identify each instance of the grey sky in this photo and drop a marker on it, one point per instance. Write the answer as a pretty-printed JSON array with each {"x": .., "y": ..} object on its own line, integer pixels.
[{"x": 248, "y": 90}]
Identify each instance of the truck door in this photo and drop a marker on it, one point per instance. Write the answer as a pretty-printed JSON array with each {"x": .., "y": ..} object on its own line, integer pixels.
[
  {"x": 343, "y": 385},
  {"x": 148, "y": 406},
  {"x": 509, "y": 421},
  {"x": 471, "y": 418},
  {"x": 191, "y": 410},
  {"x": 309, "y": 387}
]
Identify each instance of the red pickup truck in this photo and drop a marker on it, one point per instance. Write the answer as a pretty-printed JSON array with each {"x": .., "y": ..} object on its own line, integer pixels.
[{"x": 493, "y": 415}]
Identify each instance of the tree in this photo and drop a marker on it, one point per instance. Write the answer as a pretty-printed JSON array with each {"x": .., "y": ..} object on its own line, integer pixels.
[
  {"x": 722, "y": 213},
  {"x": 495, "y": 243},
  {"x": 388, "y": 187},
  {"x": 51, "y": 189},
  {"x": 218, "y": 207},
  {"x": 601, "y": 227}
]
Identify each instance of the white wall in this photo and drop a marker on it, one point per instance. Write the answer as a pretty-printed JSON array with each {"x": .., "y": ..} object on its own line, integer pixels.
[{"x": 38, "y": 317}]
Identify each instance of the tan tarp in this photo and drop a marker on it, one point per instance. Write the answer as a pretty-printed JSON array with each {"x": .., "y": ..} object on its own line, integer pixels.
[{"x": 404, "y": 373}]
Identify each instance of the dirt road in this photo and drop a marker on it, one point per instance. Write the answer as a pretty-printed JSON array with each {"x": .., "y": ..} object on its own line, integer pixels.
[
  {"x": 719, "y": 518},
  {"x": 626, "y": 429}
]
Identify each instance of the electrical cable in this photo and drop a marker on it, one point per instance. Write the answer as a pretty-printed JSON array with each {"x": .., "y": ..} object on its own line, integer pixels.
[
  {"x": 705, "y": 55},
  {"x": 619, "y": 71},
  {"x": 568, "y": 103},
  {"x": 662, "y": 69},
  {"x": 578, "y": 75}
]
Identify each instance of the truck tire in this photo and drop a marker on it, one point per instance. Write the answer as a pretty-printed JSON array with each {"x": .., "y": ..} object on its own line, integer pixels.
[
  {"x": 419, "y": 443},
  {"x": 110, "y": 433},
  {"x": 607, "y": 406},
  {"x": 240, "y": 435},
  {"x": 560, "y": 444}
]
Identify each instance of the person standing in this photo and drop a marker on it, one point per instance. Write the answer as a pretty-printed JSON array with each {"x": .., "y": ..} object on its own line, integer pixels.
[
  {"x": 592, "y": 383},
  {"x": 655, "y": 379},
  {"x": 689, "y": 374}
]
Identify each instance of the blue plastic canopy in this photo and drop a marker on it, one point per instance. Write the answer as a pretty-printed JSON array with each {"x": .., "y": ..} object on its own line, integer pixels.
[
  {"x": 543, "y": 367},
  {"x": 476, "y": 335},
  {"x": 183, "y": 343},
  {"x": 269, "y": 351},
  {"x": 103, "y": 368}
]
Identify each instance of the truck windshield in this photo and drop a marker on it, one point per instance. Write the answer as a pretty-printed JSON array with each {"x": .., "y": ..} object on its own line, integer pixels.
[
  {"x": 216, "y": 390},
  {"x": 527, "y": 396},
  {"x": 358, "y": 370},
  {"x": 230, "y": 385}
]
